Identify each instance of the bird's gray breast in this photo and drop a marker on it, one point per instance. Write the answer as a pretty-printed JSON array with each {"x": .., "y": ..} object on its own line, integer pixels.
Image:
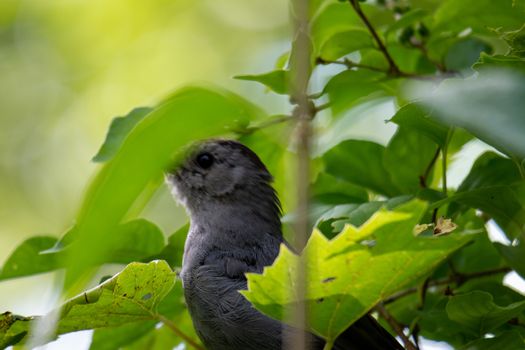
[{"x": 223, "y": 318}]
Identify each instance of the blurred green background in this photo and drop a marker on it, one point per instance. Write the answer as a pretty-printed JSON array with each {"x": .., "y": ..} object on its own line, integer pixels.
[{"x": 67, "y": 67}]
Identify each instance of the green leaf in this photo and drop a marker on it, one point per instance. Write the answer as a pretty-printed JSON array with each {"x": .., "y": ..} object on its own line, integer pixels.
[
  {"x": 490, "y": 106},
  {"x": 516, "y": 40},
  {"x": 133, "y": 295},
  {"x": 332, "y": 19},
  {"x": 499, "y": 61},
  {"x": 118, "y": 130},
  {"x": 277, "y": 80},
  {"x": 117, "y": 337},
  {"x": 174, "y": 250},
  {"x": 343, "y": 43},
  {"x": 350, "y": 87},
  {"x": 505, "y": 340},
  {"x": 490, "y": 169},
  {"x": 478, "y": 314},
  {"x": 414, "y": 117},
  {"x": 361, "y": 163},
  {"x": 27, "y": 258},
  {"x": 407, "y": 157},
  {"x": 331, "y": 190},
  {"x": 349, "y": 274},
  {"x": 191, "y": 113},
  {"x": 464, "y": 53},
  {"x": 514, "y": 254},
  {"x": 407, "y": 19},
  {"x": 480, "y": 15},
  {"x": 135, "y": 240}
]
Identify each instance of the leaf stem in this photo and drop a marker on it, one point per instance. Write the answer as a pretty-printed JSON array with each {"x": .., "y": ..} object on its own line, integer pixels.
[
  {"x": 328, "y": 345},
  {"x": 396, "y": 326},
  {"x": 168, "y": 323},
  {"x": 423, "y": 178},
  {"x": 393, "y": 68}
]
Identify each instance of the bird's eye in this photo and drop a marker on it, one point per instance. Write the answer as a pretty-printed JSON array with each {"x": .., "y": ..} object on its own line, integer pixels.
[{"x": 205, "y": 160}]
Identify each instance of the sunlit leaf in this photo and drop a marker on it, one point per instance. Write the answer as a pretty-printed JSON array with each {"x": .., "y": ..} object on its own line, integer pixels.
[
  {"x": 132, "y": 295},
  {"x": 277, "y": 80},
  {"x": 189, "y": 114},
  {"x": 118, "y": 130},
  {"x": 343, "y": 43},
  {"x": 346, "y": 275}
]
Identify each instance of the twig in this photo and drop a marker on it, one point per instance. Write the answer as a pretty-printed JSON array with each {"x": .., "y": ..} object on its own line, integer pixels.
[
  {"x": 180, "y": 333},
  {"x": 458, "y": 278},
  {"x": 421, "y": 47},
  {"x": 423, "y": 178},
  {"x": 394, "y": 69},
  {"x": 396, "y": 326},
  {"x": 265, "y": 124}
]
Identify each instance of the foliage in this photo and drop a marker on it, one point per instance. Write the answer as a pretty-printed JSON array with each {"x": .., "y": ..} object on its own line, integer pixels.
[{"x": 454, "y": 69}]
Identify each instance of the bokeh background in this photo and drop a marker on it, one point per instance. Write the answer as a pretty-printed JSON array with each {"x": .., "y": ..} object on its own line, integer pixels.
[{"x": 67, "y": 67}]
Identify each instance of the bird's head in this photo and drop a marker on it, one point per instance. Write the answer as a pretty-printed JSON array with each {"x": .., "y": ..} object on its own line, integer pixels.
[{"x": 222, "y": 173}]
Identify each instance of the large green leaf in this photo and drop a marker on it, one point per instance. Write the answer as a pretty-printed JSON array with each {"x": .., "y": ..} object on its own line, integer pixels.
[
  {"x": 331, "y": 190},
  {"x": 189, "y": 114},
  {"x": 361, "y": 163},
  {"x": 480, "y": 15},
  {"x": 135, "y": 240},
  {"x": 490, "y": 106},
  {"x": 27, "y": 258},
  {"x": 343, "y": 43},
  {"x": 352, "y": 272},
  {"x": 406, "y": 165},
  {"x": 349, "y": 87},
  {"x": 415, "y": 117},
  {"x": 118, "y": 130},
  {"x": 132, "y": 295},
  {"x": 478, "y": 314},
  {"x": 506, "y": 340}
]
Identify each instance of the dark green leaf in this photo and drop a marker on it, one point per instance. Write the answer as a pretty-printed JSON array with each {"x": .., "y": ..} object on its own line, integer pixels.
[
  {"x": 414, "y": 117},
  {"x": 277, "y": 80},
  {"x": 514, "y": 254},
  {"x": 118, "y": 130},
  {"x": 506, "y": 340},
  {"x": 478, "y": 314},
  {"x": 361, "y": 163},
  {"x": 491, "y": 169},
  {"x": 490, "y": 106},
  {"x": 407, "y": 158},
  {"x": 331, "y": 190},
  {"x": 407, "y": 19},
  {"x": 463, "y": 54}
]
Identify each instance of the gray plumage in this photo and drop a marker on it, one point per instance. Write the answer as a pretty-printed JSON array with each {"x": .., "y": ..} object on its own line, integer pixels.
[{"x": 235, "y": 228}]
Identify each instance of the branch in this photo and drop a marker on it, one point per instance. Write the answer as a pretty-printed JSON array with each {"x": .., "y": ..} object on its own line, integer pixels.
[
  {"x": 458, "y": 278},
  {"x": 396, "y": 326},
  {"x": 423, "y": 178},
  {"x": 394, "y": 69},
  {"x": 180, "y": 333}
]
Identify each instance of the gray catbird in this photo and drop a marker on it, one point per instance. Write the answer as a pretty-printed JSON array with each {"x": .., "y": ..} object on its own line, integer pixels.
[{"x": 235, "y": 228}]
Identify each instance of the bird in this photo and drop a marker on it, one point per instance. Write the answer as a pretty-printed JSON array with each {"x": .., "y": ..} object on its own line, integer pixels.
[{"x": 235, "y": 228}]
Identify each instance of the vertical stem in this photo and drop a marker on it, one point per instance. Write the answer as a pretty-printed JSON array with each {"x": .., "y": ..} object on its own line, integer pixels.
[
  {"x": 300, "y": 76},
  {"x": 328, "y": 345}
]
